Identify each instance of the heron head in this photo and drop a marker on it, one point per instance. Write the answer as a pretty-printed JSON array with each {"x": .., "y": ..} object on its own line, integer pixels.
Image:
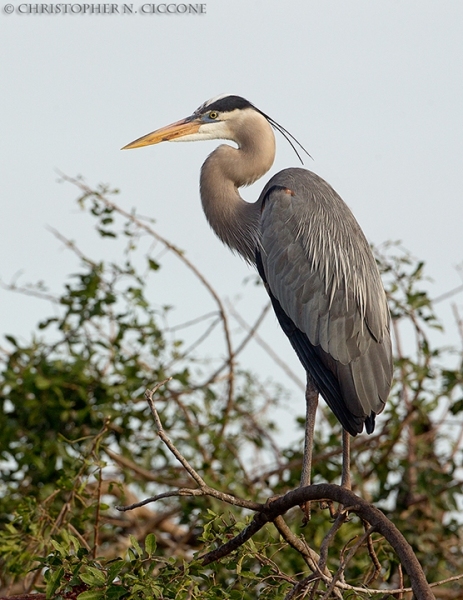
[
  {"x": 225, "y": 117},
  {"x": 218, "y": 118}
]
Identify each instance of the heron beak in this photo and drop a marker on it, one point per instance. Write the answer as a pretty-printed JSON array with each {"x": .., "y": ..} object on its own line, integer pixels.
[{"x": 174, "y": 131}]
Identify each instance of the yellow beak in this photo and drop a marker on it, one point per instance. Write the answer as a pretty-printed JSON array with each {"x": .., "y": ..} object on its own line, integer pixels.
[{"x": 170, "y": 132}]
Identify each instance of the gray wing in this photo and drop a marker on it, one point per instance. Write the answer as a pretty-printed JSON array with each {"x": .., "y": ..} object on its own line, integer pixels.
[{"x": 327, "y": 292}]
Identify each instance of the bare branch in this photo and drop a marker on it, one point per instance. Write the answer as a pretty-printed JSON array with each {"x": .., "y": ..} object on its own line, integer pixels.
[
  {"x": 162, "y": 434},
  {"x": 338, "y": 523},
  {"x": 373, "y": 557},
  {"x": 171, "y": 494},
  {"x": 25, "y": 290},
  {"x": 309, "y": 555},
  {"x": 202, "y": 491},
  {"x": 367, "y": 512},
  {"x": 344, "y": 562},
  {"x": 448, "y": 294},
  {"x": 71, "y": 246}
]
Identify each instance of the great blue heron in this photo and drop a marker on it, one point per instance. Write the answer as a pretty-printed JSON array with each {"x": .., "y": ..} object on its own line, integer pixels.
[{"x": 310, "y": 252}]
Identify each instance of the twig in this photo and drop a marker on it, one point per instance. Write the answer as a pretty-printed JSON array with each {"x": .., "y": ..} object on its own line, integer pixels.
[
  {"x": 96, "y": 525},
  {"x": 302, "y": 586},
  {"x": 171, "y": 494},
  {"x": 373, "y": 557},
  {"x": 29, "y": 291},
  {"x": 251, "y": 330},
  {"x": 344, "y": 562},
  {"x": 192, "y": 322},
  {"x": 202, "y": 491},
  {"x": 448, "y": 294},
  {"x": 71, "y": 245},
  {"x": 189, "y": 350},
  {"x": 79, "y": 536},
  {"x": 401, "y": 582},
  {"x": 164, "y": 437},
  {"x": 338, "y": 523},
  {"x": 309, "y": 555}
]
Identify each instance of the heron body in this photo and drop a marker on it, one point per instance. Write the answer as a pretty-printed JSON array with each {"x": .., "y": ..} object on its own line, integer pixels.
[{"x": 309, "y": 250}]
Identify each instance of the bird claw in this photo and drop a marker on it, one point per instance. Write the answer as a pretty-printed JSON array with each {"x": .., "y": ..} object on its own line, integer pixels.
[{"x": 307, "y": 510}]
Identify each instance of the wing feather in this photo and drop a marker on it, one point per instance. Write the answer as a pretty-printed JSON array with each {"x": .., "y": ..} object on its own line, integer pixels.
[{"x": 327, "y": 293}]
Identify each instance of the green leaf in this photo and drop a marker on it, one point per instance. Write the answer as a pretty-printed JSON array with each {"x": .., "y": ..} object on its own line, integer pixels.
[
  {"x": 115, "y": 591},
  {"x": 93, "y": 576},
  {"x": 60, "y": 548},
  {"x": 42, "y": 383},
  {"x": 457, "y": 407},
  {"x": 150, "y": 544},
  {"x": 12, "y": 340},
  {"x": 106, "y": 233},
  {"x": 136, "y": 545},
  {"x": 114, "y": 569},
  {"x": 153, "y": 264},
  {"x": 54, "y": 582},
  {"x": 91, "y": 595}
]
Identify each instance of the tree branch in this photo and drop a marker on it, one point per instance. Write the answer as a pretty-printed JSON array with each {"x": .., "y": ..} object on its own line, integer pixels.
[{"x": 276, "y": 507}]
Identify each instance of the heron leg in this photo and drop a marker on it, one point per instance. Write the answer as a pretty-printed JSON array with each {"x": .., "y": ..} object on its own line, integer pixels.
[
  {"x": 311, "y": 399},
  {"x": 345, "y": 477}
]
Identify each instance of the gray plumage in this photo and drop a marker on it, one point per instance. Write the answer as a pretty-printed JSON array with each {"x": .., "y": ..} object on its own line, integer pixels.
[
  {"x": 310, "y": 252},
  {"x": 318, "y": 265}
]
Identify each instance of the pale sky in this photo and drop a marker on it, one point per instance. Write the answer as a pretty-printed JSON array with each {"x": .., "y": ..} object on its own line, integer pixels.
[{"x": 372, "y": 89}]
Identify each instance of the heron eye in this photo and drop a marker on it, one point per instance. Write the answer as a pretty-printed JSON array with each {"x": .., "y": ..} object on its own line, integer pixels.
[{"x": 213, "y": 114}]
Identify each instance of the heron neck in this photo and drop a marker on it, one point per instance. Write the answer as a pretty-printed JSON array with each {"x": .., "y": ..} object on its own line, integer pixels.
[{"x": 236, "y": 222}]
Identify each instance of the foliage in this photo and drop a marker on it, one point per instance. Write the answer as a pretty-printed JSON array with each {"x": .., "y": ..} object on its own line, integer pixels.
[{"x": 78, "y": 439}]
